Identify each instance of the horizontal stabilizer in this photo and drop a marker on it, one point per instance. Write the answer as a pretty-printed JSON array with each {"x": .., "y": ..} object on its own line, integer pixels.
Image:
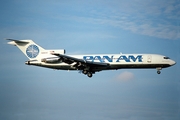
[{"x": 18, "y": 41}]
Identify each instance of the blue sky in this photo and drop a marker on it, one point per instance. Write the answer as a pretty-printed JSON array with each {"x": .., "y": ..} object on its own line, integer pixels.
[{"x": 83, "y": 27}]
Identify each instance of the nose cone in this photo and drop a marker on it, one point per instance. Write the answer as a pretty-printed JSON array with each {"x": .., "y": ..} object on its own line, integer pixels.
[{"x": 172, "y": 62}]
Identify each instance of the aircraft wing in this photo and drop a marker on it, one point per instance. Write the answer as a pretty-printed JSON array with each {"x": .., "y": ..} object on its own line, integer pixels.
[{"x": 79, "y": 63}]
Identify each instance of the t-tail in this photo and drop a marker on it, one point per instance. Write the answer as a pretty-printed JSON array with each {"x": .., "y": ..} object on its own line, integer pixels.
[{"x": 28, "y": 47}]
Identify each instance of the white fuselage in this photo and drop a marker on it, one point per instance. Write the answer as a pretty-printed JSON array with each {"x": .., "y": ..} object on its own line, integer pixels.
[{"x": 116, "y": 61}]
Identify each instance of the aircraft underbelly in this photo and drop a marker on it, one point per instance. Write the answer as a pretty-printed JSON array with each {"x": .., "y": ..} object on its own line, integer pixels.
[
  {"x": 111, "y": 67},
  {"x": 121, "y": 66}
]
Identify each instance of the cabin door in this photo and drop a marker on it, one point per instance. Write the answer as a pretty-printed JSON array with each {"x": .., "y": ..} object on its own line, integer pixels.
[{"x": 149, "y": 58}]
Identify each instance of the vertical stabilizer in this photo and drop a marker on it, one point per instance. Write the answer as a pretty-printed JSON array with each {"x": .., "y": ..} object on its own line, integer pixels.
[{"x": 28, "y": 47}]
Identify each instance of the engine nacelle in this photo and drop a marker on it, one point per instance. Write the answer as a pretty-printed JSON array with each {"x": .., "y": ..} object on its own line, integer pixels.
[
  {"x": 49, "y": 52},
  {"x": 61, "y": 51},
  {"x": 51, "y": 60}
]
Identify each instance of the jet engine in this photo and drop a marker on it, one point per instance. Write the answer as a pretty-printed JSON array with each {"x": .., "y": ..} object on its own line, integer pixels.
[
  {"x": 59, "y": 51},
  {"x": 51, "y": 60}
]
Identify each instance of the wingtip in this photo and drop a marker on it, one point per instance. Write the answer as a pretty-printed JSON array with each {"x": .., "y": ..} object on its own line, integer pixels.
[
  {"x": 6, "y": 39},
  {"x": 10, "y": 39}
]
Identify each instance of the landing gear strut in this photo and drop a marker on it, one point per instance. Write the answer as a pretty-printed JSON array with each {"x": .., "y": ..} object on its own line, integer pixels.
[{"x": 158, "y": 70}]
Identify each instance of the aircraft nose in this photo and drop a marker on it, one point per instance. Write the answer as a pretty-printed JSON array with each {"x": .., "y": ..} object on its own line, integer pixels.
[{"x": 173, "y": 62}]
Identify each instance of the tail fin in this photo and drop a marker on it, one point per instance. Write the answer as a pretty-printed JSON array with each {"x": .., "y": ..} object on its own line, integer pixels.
[{"x": 28, "y": 47}]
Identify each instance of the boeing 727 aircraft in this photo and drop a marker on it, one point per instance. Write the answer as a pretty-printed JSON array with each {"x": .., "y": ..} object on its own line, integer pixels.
[{"x": 88, "y": 64}]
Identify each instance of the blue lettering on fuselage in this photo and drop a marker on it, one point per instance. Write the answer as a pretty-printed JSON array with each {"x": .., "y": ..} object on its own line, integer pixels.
[
  {"x": 123, "y": 57},
  {"x": 139, "y": 57},
  {"x": 109, "y": 59},
  {"x": 99, "y": 58},
  {"x": 88, "y": 58},
  {"x": 130, "y": 58}
]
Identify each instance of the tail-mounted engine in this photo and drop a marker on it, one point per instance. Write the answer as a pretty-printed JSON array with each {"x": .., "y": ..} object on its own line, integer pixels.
[
  {"x": 61, "y": 51},
  {"x": 51, "y": 60}
]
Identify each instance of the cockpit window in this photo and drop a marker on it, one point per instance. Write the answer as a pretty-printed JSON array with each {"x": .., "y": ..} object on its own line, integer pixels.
[{"x": 166, "y": 58}]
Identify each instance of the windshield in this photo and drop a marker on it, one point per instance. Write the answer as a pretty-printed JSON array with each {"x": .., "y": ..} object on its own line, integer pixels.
[{"x": 166, "y": 58}]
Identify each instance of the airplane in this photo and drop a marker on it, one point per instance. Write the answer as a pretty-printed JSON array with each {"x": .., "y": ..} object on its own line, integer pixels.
[{"x": 88, "y": 64}]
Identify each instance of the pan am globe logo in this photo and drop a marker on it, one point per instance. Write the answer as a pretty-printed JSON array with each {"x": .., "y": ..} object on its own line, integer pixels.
[{"x": 32, "y": 51}]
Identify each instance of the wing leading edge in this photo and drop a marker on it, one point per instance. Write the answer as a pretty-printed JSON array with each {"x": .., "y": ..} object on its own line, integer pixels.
[
  {"x": 87, "y": 67},
  {"x": 69, "y": 60}
]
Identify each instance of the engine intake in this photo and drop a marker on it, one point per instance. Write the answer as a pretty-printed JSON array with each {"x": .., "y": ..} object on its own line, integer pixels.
[{"x": 61, "y": 51}]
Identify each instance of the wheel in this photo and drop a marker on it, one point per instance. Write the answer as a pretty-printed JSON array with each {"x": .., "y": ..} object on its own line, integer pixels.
[
  {"x": 158, "y": 72},
  {"x": 84, "y": 72},
  {"x": 89, "y": 74}
]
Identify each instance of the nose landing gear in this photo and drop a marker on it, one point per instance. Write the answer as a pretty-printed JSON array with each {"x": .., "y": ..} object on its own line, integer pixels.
[{"x": 158, "y": 70}]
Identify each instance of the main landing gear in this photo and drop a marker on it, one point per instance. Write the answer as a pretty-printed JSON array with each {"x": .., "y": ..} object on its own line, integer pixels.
[
  {"x": 158, "y": 70},
  {"x": 88, "y": 73}
]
